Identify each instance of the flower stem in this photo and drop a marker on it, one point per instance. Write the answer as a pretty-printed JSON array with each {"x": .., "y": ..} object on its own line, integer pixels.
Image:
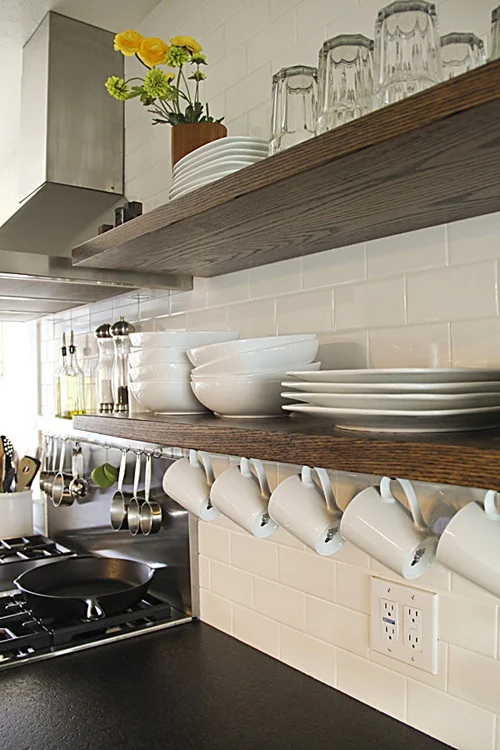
[
  {"x": 187, "y": 85},
  {"x": 142, "y": 62}
]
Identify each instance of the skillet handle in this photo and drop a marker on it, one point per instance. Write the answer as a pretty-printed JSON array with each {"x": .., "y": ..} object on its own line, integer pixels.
[{"x": 94, "y": 611}]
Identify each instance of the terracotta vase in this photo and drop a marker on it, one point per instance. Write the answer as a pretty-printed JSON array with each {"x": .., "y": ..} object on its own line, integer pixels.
[{"x": 190, "y": 136}]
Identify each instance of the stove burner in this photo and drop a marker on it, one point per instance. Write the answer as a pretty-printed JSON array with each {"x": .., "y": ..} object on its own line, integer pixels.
[{"x": 33, "y": 547}]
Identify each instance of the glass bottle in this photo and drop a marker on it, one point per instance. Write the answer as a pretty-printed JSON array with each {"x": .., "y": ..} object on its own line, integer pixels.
[
  {"x": 57, "y": 379},
  {"x": 105, "y": 369},
  {"x": 72, "y": 384},
  {"x": 89, "y": 368},
  {"x": 120, "y": 332}
]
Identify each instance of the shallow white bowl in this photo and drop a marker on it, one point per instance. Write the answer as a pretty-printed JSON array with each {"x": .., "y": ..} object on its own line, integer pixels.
[
  {"x": 240, "y": 397},
  {"x": 223, "y": 145},
  {"x": 166, "y": 397},
  {"x": 156, "y": 356},
  {"x": 163, "y": 371},
  {"x": 280, "y": 357},
  {"x": 180, "y": 339},
  {"x": 259, "y": 375},
  {"x": 204, "y": 354}
]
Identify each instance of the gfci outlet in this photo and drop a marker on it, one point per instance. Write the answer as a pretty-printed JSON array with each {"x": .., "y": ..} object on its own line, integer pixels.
[{"x": 404, "y": 624}]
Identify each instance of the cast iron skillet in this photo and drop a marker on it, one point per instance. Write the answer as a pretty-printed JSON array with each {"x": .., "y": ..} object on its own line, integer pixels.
[{"x": 84, "y": 587}]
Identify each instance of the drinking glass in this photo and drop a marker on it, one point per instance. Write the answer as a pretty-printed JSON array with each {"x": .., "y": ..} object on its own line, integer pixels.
[
  {"x": 407, "y": 50},
  {"x": 345, "y": 80},
  {"x": 461, "y": 52},
  {"x": 293, "y": 118},
  {"x": 495, "y": 33}
]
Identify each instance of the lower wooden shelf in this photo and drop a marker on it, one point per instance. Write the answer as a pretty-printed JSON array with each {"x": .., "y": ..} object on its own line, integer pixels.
[{"x": 464, "y": 459}]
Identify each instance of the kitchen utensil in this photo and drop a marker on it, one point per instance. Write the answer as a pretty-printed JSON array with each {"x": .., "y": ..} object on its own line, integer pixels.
[
  {"x": 294, "y": 101},
  {"x": 26, "y": 472},
  {"x": 150, "y": 512},
  {"x": 104, "y": 475},
  {"x": 279, "y": 357},
  {"x": 84, "y": 587},
  {"x": 495, "y": 33},
  {"x": 201, "y": 355},
  {"x": 167, "y": 396},
  {"x": 2, "y": 464},
  {"x": 61, "y": 494},
  {"x": 51, "y": 475},
  {"x": 461, "y": 53},
  {"x": 397, "y": 401},
  {"x": 470, "y": 543},
  {"x": 407, "y": 50},
  {"x": 180, "y": 339},
  {"x": 308, "y": 512},
  {"x": 243, "y": 497},
  {"x": 379, "y": 525},
  {"x": 78, "y": 486},
  {"x": 345, "y": 80},
  {"x": 8, "y": 463},
  {"x": 188, "y": 482},
  {"x": 134, "y": 507},
  {"x": 121, "y": 331},
  {"x": 394, "y": 388},
  {"x": 9, "y": 480},
  {"x": 401, "y": 375},
  {"x": 45, "y": 459},
  {"x": 119, "y": 502}
]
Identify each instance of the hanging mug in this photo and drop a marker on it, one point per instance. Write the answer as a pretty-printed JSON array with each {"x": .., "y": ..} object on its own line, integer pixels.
[{"x": 188, "y": 482}]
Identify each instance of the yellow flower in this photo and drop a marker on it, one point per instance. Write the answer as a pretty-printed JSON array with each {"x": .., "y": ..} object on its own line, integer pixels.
[
  {"x": 128, "y": 42},
  {"x": 186, "y": 41},
  {"x": 153, "y": 51}
]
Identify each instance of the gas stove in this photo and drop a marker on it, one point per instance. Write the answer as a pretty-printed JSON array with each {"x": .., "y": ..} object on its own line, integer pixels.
[{"x": 24, "y": 552}]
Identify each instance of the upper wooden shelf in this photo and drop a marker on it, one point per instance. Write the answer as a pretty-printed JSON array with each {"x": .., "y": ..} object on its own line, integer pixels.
[
  {"x": 429, "y": 159},
  {"x": 463, "y": 459}
]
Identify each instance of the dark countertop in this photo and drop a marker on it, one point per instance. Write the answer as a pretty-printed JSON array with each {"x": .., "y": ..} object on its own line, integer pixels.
[{"x": 187, "y": 687}]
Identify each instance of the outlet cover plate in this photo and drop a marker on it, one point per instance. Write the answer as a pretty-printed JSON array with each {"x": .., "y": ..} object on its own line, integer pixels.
[{"x": 383, "y": 591}]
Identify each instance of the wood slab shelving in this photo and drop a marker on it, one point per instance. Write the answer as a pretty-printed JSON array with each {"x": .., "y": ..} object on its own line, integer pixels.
[
  {"x": 430, "y": 159},
  {"x": 470, "y": 460}
]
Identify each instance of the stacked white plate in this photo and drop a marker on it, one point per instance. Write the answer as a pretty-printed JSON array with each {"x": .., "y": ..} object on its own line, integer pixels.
[
  {"x": 215, "y": 160},
  {"x": 398, "y": 400},
  {"x": 159, "y": 370},
  {"x": 243, "y": 378}
]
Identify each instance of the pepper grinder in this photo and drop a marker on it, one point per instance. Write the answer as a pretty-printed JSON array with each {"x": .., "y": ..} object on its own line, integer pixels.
[
  {"x": 120, "y": 332},
  {"x": 105, "y": 369}
]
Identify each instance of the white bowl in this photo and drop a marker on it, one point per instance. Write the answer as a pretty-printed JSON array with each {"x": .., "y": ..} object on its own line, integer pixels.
[
  {"x": 181, "y": 339},
  {"x": 156, "y": 356},
  {"x": 204, "y": 354},
  {"x": 163, "y": 371},
  {"x": 260, "y": 375},
  {"x": 282, "y": 357},
  {"x": 166, "y": 397},
  {"x": 240, "y": 397}
]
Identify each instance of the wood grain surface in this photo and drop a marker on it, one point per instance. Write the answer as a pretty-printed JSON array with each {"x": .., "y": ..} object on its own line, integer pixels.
[
  {"x": 464, "y": 459},
  {"x": 429, "y": 159}
]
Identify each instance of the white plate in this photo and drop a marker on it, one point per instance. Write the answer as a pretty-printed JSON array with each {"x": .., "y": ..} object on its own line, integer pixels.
[
  {"x": 401, "y": 375},
  {"x": 248, "y": 154},
  {"x": 406, "y": 402},
  {"x": 198, "y": 184},
  {"x": 381, "y": 420},
  {"x": 243, "y": 141},
  {"x": 222, "y": 165},
  {"x": 457, "y": 388}
]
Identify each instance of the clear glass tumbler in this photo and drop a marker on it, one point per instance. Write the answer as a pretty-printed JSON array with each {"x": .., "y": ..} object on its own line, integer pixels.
[
  {"x": 461, "y": 52},
  {"x": 345, "y": 80},
  {"x": 294, "y": 96},
  {"x": 495, "y": 33},
  {"x": 407, "y": 50}
]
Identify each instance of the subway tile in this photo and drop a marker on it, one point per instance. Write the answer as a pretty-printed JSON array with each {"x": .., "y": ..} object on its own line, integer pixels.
[
  {"x": 259, "y": 120},
  {"x": 204, "y": 571},
  {"x": 411, "y": 346},
  {"x": 309, "y": 655},
  {"x": 275, "y": 279},
  {"x": 213, "y": 542},
  {"x": 283, "y": 537},
  {"x": 278, "y": 7},
  {"x": 353, "y": 587},
  {"x": 215, "y": 611},
  {"x": 214, "y": 46},
  {"x": 248, "y": 93},
  {"x": 215, "y": 12},
  {"x": 472, "y": 343},
  {"x": 305, "y": 50},
  {"x": 371, "y": 304},
  {"x": 339, "y": 266},
  {"x": 337, "y": 625},
  {"x": 438, "y": 680},
  {"x": 326, "y": 10},
  {"x": 231, "y": 287},
  {"x": 307, "y": 312},
  {"x": 425, "y": 248},
  {"x": 474, "y": 678},
  {"x": 351, "y": 554},
  {"x": 194, "y": 299},
  {"x": 341, "y": 351},
  {"x": 497, "y": 746},
  {"x": 231, "y": 583},
  {"x": 239, "y": 125},
  {"x": 259, "y": 556},
  {"x": 307, "y": 572},
  {"x": 258, "y": 631},
  {"x": 227, "y": 71},
  {"x": 468, "y": 623},
  {"x": 374, "y": 685},
  {"x": 460, "y": 585},
  {"x": 279, "y": 602},
  {"x": 453, "y": 293},
  {"x": 209, "y": 319},
  {"x": 272, "y": 39},
  {"x": 256, "y": 318},
  {"x": 474, "y": 239},
  {"x": 253, "y": 17},
  {"x": 448, "y": 719}
]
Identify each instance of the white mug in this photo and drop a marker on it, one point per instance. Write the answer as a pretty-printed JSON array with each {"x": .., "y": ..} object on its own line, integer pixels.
[
  {"x": 244, "y": 498},
  {"x": 188, "y": 482},
  {"x": 308, "y": 513},
  {"x": 378, "y": 524},
  {"x": 470, "y": 544}
]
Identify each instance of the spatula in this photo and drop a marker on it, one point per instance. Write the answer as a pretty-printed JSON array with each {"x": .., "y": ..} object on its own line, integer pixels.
[{"x": 26, "y": 472}]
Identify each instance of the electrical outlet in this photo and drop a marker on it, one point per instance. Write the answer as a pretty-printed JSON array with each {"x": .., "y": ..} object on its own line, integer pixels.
[{"x": 404, "y": 624}]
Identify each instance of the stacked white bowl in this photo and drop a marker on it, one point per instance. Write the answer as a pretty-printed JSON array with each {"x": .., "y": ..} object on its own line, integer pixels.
[
  {"x": 159, "y": 370},
  {"x": 242, "y": 378}
]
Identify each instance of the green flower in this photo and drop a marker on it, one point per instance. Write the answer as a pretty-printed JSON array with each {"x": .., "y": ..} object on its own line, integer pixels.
[
  {"x": 198, "y": 76},
  {"x": 199, "y": 58},
  {"x": 117, "y": 88},
  {"x": 176, "y": 56},
  {"x": 156, "y": 83}
]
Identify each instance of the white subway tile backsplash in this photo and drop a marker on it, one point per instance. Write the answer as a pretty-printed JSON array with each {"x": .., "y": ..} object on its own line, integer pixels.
[
  {"x": 474, "y": 678},
  {"x": 337, "y": 625},
  {"x": 411, "y": 346},
  {"x": 227, "y": 71},
  {"x": 232, "y": 287},
  {"x": 211, "y": 319},
  {"x": 341, "y": 351},
  {"x": 309, "y": 655},
  {"x": 474, "y": 239},
  {"x": 253, "y": 17},
  {"x": 468, "y": 623},
  {"x": 275, "y": 279},
  {"x": 256, "y": 318},
  {"x": 353, "y": 587},
  {"x": 438, "y": 680},
  {"x": 460, "y": 585},
  {"x": 204, "y": 565},
  {"x": 259, "y": 120},
  {"x": 215, "y": 610},
  {"x": 247, "y": 94},
  {"x": 231, "y": 583},
  {"x": 307, "y": 572},
  {"x": 259, "y": 556},
  {"x": 258, "y": 631},
  {"x": 213, "y": 542},
  {"x": 425, "y": 248},
  {"x": 338, "y": 266},
  {"x": 372, "y": 304},
  {"x": 275, "y": 37},
  {"x": 474, "y": 343},
  {"x": 280, "y": 603},
  {"x": 375, "y": 685},
  {"x": 310, "y": 312},
  {"x": 216, "y": 12}
]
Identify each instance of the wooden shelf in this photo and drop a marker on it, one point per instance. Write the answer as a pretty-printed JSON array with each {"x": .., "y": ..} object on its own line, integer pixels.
[
  {"x": 430, "y": 159},
  {"x": 464, "y": 459}
]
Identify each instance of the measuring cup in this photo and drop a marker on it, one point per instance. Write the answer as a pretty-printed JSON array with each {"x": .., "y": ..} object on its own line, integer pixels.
[
  {"x": 119, "y": 503},
  {"x": 150, "y": 513},
  {"x": 134, "y": 507},
  {"x": 61, "y": 494},
  {"x": 78, "y": 486}
]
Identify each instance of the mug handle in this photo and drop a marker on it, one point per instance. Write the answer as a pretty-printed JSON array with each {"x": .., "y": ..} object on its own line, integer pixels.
[
  {"x": 490, "y": 505},
  {"x": 326, "y": 485},
  {"x": 246, "y": 471},
  {"x": 207, "y": 465},
  {"x": 411, "y": 496}
]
